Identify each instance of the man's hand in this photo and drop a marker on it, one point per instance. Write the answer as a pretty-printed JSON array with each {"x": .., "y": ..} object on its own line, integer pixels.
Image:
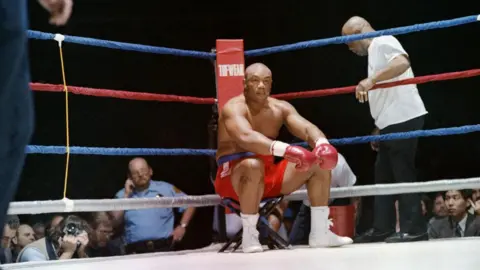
[
  {"x": 375, "y": 145},
  {"x": 69, "y": 244},
  {"x": 83, "y": 240},
  {"x": 476, "y": 206},
  {"x": 327, "y": 155},
  {"x": 60, "y": 10},
  {"x": 361, "y": 91},
  {"x": 128, "y": 188},
  {"x": 178, "y": 233}
]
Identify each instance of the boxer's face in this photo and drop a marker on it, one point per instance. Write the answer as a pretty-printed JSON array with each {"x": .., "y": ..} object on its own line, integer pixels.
[
  {"x": 456, "y": 204},
  {"x": 258, "y": 85}
]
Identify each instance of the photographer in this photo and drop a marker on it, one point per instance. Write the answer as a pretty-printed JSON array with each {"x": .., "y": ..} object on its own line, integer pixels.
[{"x": 65, "y": 241}]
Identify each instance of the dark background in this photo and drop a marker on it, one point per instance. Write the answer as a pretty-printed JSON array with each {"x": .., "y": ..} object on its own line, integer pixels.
[{"x": 195, "y": 25}]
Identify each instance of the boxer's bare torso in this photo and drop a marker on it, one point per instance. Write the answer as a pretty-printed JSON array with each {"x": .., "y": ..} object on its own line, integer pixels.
[{"x": 267, "y": 120}]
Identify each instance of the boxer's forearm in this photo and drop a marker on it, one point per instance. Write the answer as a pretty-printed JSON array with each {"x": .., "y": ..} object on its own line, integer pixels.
[
  {"x": 394, "y": 69},
  {"x": 308, "y": 133},
  {"x": 255, "y": 142},
  {"x": 312, "y": 135}
]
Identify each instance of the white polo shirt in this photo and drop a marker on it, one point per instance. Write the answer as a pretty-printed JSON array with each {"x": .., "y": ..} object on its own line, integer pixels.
[
  {"x": 397, "y": 104},
  {"x": 342, "y": 176}
]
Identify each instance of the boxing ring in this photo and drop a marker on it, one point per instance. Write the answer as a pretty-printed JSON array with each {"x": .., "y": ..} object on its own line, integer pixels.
[{"x": 433, "y": 254}]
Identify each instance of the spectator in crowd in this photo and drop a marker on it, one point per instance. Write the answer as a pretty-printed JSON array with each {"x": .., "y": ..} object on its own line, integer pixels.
[
  {"x": 342, "y": 176},
  {"x": 150, "y": 230},
  {"x": 9, "y": 232},
  {"x": 100, "y": 235},
  {"x": 24, "y": 236},
  {"x": 458, "y": 223},
  {"x": 39, "y": 229},
  {"x": 116, "y": 245},
  {"x": 67, "y": 240},
  {"x": 475, "y": 202},
  {"x": 439, "y": 209},
  {"x": 56, "y": 219},
  {"x": 476, "y": 195}
]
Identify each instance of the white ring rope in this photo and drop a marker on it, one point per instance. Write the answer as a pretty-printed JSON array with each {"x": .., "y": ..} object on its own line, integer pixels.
[{"x": 66, "y": 205}]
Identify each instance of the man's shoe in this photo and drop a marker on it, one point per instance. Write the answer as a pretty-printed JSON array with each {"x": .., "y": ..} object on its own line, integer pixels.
[
  {"x": 406, "y": 237},
  {"x": 371, "y": 236}
]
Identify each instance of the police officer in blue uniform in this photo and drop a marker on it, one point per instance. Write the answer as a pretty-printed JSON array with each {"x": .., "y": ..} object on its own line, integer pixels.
[
  {"x": 16, "y": 105},
  {"x": 153, "y": 229}
]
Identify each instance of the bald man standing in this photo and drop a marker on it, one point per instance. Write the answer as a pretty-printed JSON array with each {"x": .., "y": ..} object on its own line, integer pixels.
[
  {"x": 395, "y": 109},
  {"x": 153, "y": 229}
]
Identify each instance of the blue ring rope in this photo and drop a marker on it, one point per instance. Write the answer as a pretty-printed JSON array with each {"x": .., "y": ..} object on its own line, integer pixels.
[
  {"x": 257, "y": 52},
  {"x": 78, "y": 150},
  {"x": 40, "y": 149}
]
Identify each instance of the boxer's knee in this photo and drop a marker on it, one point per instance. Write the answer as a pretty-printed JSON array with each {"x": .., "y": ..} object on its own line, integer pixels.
[
  {"x": 319, "y": 174},
  {"x": 249, "y": 171}
]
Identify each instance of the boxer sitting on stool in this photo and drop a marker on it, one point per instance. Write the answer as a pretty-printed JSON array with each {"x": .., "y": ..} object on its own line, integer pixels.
[{"x": 245, "y": 157}]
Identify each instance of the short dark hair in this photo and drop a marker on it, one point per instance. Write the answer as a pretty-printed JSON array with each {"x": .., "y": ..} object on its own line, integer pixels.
[
  {"x": 13, "y": 222},
  {"x": 466, "y": 193}
]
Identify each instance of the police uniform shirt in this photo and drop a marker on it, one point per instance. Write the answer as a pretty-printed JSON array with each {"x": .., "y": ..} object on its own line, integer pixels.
[{"x": 153, "y": 223}]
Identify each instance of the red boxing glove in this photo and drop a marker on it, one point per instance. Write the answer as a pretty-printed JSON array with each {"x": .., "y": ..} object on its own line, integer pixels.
[
  {"x": 303, "y": 158},
  {"x": 327, "y": 155}
]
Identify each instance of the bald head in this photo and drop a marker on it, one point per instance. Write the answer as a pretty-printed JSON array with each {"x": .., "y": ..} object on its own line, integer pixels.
[
  {"x": 25, "y": 236},
  {"x": 140, "y": 172},
  {"x": 137, "y": 162},
  {"x": 258, "y": 69},
  {"x": 355, "y": 25},
  {"x": 258, "y": 82}
]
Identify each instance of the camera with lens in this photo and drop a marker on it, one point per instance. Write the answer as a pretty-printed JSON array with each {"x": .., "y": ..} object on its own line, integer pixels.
[{"x": 73, "y": 230}]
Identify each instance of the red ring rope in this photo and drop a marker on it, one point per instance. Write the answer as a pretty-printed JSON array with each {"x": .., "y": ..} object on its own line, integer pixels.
[{"x": 196, "y": 100}]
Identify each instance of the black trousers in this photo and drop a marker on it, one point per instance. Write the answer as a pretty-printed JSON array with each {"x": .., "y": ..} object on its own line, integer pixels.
[
  {"x": 159, "y": 245},
  {"x": 396, "y": 164},
  {"x": 16, "y": 106}
]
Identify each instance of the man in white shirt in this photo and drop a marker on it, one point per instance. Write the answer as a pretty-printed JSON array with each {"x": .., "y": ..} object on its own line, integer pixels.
[
  {"x": 342, "y": 176},
  {"x": 395, "y": 109}
]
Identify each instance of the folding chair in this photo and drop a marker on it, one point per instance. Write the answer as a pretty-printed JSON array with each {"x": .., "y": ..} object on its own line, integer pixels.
[{"x": 273, "y": 239}]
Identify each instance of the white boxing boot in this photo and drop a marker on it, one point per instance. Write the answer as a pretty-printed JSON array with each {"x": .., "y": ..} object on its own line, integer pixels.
[
  {"x": 320, "y": 233},
  {"x": 250, "y": 242}
]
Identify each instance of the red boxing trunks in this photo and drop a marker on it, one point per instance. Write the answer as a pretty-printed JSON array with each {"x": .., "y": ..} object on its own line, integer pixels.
[{"x": 273, "y": 178}]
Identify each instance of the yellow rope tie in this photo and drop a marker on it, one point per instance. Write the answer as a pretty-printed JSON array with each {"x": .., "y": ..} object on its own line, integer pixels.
[{"x": 59, "y": 38}]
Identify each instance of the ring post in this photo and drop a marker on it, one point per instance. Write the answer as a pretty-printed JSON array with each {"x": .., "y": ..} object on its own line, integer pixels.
[{"x": 229, "y": 70}]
